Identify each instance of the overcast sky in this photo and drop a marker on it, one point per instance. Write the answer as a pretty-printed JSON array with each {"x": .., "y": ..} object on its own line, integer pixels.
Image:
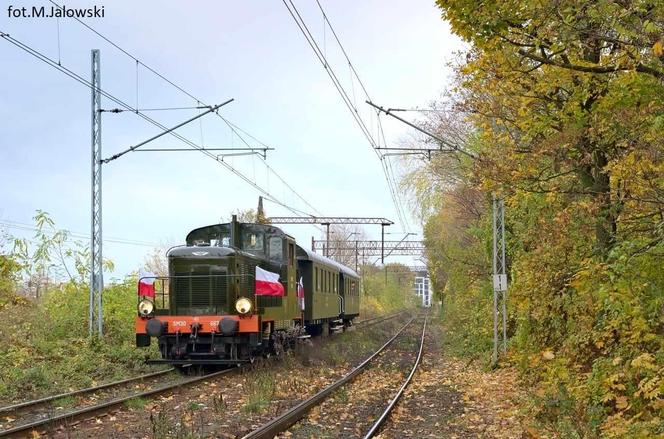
[{"x": 251, "y": 51}]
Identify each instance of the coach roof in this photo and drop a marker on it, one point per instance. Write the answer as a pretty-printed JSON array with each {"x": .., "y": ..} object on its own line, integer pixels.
[{"x": 304, "y": 254}]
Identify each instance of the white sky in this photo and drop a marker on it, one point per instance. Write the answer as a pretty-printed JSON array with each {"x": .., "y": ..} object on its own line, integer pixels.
[{"x": 251, "y": 51}]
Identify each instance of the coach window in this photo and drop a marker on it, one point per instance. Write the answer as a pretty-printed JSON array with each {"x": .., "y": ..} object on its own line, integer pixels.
[
  {"x": 335, "y": 284},
  {"x": 316, "y": 279}
]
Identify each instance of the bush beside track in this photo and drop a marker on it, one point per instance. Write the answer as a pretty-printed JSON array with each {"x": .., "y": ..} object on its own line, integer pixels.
[{"x": 46, "y": 348}]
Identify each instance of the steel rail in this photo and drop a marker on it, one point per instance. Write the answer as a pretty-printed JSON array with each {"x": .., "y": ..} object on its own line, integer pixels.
[
  {"x": 106, "y": 405},
  {"x": 393, "y": 402},
  {"x": 285, "y": 420},
  {"x": 24, "y": 404},
  {"x": 379, "y": 319}
]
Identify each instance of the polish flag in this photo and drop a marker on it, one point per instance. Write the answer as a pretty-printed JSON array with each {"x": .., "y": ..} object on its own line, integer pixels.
[
  {"x": 146, "y": 283},
  {"x": 267, "y": 283},
  {"x": 300, "y": 293}
]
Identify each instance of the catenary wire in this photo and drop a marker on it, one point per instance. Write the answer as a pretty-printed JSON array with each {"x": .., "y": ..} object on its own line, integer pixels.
[
  {"x": 235, "y": 127},
  {"x": 28, "y": 227},
  {"x": 181, "y": 89},
  {"x": 398, "y": 204},
  {"x": 40, "y": 56},
  {"x": 299, "y": 21}
]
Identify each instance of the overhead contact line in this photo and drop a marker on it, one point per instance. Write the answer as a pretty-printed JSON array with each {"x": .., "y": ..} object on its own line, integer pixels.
[
  {"x": 299, "y": 21},
  {"x": 76, "y": 77},
  {"x": 234, "y": 128}
]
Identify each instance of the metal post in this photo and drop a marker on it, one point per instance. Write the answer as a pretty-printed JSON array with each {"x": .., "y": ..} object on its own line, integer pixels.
[
  {"x": 499, "y": 276},
  {"x": 356, "y": 255},
  {"x": 327, "y": 240},
  {"x": 382, "y": 244},
  {"x": 96, "y": 268},
  {"x": 494, "y": 357},
  {"x": 503, "y": 271}
]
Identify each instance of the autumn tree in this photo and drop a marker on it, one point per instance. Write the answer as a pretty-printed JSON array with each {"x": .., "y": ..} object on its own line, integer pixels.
[
  {"x": 562, "y": 103},
  {"x": 565, "y": 90}
]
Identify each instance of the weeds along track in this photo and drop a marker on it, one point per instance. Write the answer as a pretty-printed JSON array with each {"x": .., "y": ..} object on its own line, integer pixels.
[
  {"x": 349, "y": 406},
  {"x": 49, "y": 413}
]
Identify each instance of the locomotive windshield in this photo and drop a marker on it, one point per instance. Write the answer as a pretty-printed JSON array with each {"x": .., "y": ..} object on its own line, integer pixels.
[
  {"x": 261, "y": 240},
  {"x": 252, "y": 241},
  {"x": 218, "y": 235}
]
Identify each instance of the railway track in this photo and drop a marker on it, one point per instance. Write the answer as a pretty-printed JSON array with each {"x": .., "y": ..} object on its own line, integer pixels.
[
  {"x": 44, "y": 415},
  {"x": 374, "y": 320},
  {"x": 14, "y": 408},
  {"x": 386, "y": 413},
  {"x": 48, "y": 420},
  {"x": 287, "y": 419}
]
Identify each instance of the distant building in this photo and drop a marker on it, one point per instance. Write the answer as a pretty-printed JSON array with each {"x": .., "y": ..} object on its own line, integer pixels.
[{"x": 422, "y": 288}]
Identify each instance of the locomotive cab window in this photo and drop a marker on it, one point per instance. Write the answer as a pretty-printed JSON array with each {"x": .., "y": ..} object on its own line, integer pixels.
[
  {"x": 252, "y": 241},
  {"x": 221, "y": 242},
  {"x": 276, "y": 250}
]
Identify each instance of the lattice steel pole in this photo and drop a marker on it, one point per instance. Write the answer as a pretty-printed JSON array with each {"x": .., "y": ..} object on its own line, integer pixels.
[
  {"x": 96, "y": 270},
  {"x": 499, "y": 277}
]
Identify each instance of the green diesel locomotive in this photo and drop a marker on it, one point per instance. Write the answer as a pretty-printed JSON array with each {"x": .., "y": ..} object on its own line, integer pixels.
[{"x": 239, "y": 290}]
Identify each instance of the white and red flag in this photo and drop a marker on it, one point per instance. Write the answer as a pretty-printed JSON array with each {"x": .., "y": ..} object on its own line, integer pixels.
[
  {"x": 267, "y": 283},
  {"x": 146, "y": 283},
  {"x": 300, "y": 293}
]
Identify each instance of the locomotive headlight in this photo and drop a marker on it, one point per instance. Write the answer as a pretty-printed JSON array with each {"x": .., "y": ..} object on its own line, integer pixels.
[
  {"x": 243, "y": 305},
  {"x": 145, "y": 307}
]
